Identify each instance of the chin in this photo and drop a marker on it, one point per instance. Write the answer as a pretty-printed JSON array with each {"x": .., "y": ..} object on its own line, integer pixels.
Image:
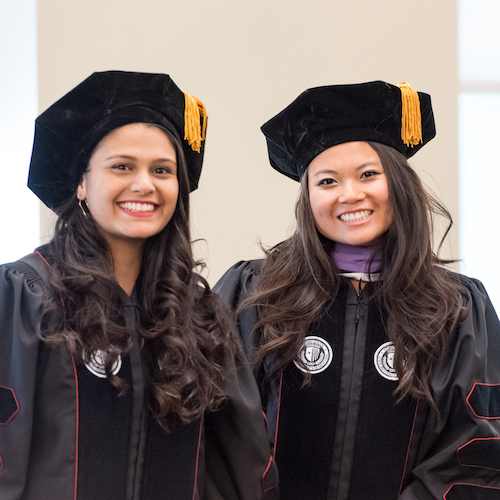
[{"x": 368, "y": 241}]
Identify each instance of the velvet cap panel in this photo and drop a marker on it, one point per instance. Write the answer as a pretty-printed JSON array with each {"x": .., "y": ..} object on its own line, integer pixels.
[
  {"x": 323, "y": 117},
  {"x": 69, "y": 130}
]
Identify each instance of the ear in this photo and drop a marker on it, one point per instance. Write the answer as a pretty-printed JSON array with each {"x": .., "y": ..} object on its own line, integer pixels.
[{"x": 81, "y": 192}]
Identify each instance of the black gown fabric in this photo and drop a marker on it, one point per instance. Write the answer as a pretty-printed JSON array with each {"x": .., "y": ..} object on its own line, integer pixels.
[
  {"x": 65, "y": 434},
  {"x": 345, "y": 437}
]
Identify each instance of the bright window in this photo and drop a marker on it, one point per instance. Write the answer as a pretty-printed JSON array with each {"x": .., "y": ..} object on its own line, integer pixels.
[
  {"x": 19, "y": 208},
  {"x": 479, "y": 139}
]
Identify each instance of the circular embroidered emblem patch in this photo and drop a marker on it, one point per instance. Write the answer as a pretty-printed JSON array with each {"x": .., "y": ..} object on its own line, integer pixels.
[
  {"x": 316, "y": 354},
  {"x": 96, "y": 362},
  {"x": 384, "y": 361}
]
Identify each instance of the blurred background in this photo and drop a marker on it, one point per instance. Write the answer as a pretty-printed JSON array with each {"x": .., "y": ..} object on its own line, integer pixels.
[{"x": 246, "y": 60}]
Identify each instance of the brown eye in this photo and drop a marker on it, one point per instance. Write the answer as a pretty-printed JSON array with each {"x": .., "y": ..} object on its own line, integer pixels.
[
  {"x": 162, "y": 170},
  {"x": 325, "y": 182},
  {"x": 119, "y": 166}
]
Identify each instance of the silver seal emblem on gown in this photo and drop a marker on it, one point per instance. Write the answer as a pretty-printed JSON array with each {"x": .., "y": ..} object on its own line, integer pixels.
[
  {"x": 95, "y": 364},
  {"x": 316, "y": 355},
  {"x": 384, "y": 361}
]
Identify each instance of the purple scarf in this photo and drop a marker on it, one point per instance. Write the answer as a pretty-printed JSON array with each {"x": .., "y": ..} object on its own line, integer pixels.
[{"x": 355, "y": 258}]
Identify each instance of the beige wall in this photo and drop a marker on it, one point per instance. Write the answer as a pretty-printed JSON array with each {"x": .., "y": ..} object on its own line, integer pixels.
[{"x": 247, "y": 59}]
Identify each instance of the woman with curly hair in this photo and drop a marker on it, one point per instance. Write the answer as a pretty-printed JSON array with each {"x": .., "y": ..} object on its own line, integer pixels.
[
  {"x": 120, "y": 375},
  {"x": 379, "y": 367}
]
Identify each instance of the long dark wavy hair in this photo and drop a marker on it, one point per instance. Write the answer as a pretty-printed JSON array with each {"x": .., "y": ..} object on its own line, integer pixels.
[
  {"x": 423, "y": 301},
  {"x": 185, "y": 328}
]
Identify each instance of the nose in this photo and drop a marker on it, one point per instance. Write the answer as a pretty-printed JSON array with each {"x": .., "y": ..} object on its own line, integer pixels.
[
  {"x": 142, "y": 183},
  {"x": 352, "y": 192}
]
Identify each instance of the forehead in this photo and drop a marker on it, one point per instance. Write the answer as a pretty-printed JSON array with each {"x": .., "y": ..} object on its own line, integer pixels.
[
  {"x": 135, "y": 139},
  {"x": 135, "y": 132},
  {"x": 345, "y": 155}
]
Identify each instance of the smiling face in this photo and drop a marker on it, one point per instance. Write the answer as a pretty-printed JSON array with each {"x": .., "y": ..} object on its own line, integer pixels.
[
  {"x": 131, "y": 185},
  {"x": 349, "y": 195}
]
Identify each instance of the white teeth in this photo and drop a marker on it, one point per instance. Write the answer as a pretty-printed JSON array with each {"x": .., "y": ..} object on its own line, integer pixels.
[
  {"x": 355, "y": 216},
  {"x": 138, "y": 207}
]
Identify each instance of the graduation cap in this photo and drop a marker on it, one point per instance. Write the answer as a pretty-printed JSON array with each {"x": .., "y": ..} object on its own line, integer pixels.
[
  {"x": 323, "y": 117},
  {"x": 67, "y": 133}
]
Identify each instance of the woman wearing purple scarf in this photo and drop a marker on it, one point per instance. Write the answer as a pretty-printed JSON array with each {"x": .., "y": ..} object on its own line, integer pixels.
[{"x": 378, "y": 367}]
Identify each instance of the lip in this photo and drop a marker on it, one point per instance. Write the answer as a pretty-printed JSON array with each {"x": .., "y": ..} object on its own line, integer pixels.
[
  {"x": 138, "y": 208},
  {"x": 355, "y": 216}
]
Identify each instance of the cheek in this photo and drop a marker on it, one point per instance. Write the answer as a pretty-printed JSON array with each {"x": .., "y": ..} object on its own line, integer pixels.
[
  {"x": 387, "y": 207},
  {"x": 92, "y": 193},
  {"x": 313, "y": 203},
  {"x": 320, "y": 206},
  {"x": 99, "y": 196},
  {"x": 385, "y": 199},
  {"x": 171, "y": 194}
]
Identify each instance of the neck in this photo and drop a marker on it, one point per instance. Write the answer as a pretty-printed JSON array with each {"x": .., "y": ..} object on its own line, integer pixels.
[
  {"x": 358, "y": 285},
  {"x": 127, "y": 264}
]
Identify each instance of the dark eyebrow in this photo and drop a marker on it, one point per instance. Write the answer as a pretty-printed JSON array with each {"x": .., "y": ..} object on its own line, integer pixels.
[
  {"x": 334, "y": 172},
  {"x": 126, "y": 157},
  {"x": 129, "y": 157},
  {"x": 163, "y": 160}
]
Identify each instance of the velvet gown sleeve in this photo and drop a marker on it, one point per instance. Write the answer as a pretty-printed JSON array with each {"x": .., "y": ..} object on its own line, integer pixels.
[
  {"x": 238, "y": 460},
  {"x": 237, "y": 436},
  {"x": 459, "y": 453},
  {"x": 20, "y": 305},
  {"x": 234, "y": 287}
]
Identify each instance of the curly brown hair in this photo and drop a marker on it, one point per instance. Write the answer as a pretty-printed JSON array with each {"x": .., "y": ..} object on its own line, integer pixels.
[{"x": 186, "y": 328}]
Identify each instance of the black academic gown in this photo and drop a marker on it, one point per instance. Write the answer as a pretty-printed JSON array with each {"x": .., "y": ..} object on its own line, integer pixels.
[
  {"x": 345, "y": 437},
  {"x": 65, "y": 434}
]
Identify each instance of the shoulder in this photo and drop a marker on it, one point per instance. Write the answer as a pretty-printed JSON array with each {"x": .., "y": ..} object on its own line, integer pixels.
[
  {"x": 466, "y": 281},
  {"x": 481, "y": 317},
  {"x": 243, "y": 267},
  {"x": 238, "y": 281},
  {"x": 23, "y": 295},
  {"x": 31, "y": 271},
  {"x": 473, "y": 289},
  {"x": 24, "y": 290},
  {"x": 479, "y": 333}
]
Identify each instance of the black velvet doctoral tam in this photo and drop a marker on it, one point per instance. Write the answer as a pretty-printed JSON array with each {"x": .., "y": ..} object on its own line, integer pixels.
[
  {"x": 323, "y": 117},
  {"x": 69, "y": 130}
]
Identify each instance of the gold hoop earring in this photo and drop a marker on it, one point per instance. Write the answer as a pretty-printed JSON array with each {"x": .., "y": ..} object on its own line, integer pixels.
[{"x": 81, "y": 208}]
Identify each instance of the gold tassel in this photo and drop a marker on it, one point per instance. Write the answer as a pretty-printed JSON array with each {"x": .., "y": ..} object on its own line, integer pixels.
[
  {"x": 411, "y": 120},
  {"x": 194, "y": 132}
]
